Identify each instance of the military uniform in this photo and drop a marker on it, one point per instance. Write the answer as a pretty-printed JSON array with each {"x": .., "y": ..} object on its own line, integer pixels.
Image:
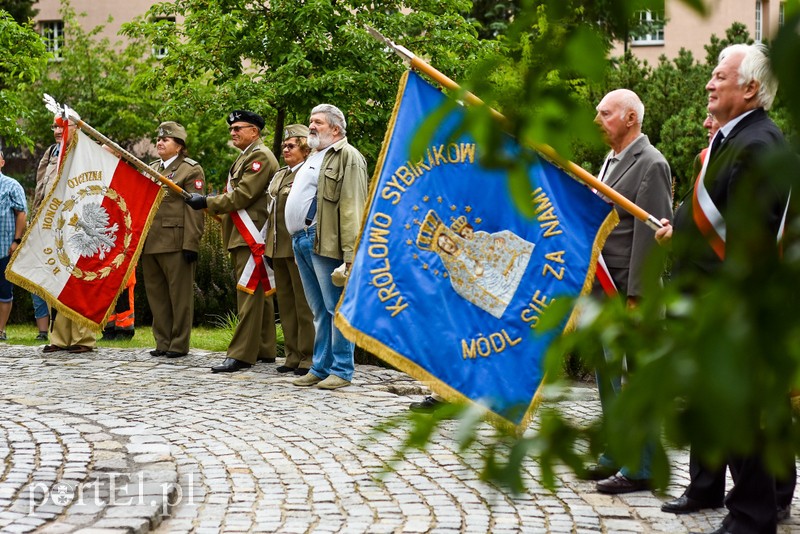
[
  {"x": 168, "y": 270},
  {"x": 249, "y": 177},
  {"x": 296, "y": 317}
]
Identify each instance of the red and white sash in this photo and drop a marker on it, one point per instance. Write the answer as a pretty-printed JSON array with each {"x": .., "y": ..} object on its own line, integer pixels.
[
  {"x": 604, "y": 277},
  {"x": 256, "y": 270},
  {"x": 705, "y": 213},
  {"x": 708, "y": 218}
]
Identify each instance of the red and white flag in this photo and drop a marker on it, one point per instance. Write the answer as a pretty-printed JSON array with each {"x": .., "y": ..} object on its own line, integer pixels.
[{"x": 84, "y": 242}]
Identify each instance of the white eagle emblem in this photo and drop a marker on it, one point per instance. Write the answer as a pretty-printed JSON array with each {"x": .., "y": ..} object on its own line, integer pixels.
[{"x": 92, "y": 233}]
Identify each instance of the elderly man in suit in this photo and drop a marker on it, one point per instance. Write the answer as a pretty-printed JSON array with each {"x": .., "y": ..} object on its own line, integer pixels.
[
  {"x": 740, "y": 91},
  {"x": 637, "y": 170},
  {"x": 243, "y": 206}
]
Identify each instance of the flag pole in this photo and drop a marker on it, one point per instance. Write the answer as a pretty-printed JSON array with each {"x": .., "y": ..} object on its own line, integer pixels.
[
  {"x": 120, "y": 152},
  {"x": 549, "y": 152}
]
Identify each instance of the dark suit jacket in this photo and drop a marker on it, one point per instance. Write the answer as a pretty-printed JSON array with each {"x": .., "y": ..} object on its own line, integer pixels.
[
  {"x": 729, "y": 170},
  {"x": 643, "y": 177}
]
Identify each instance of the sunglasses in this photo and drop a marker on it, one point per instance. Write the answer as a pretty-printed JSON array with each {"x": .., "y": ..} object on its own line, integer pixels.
[
  {"x": 237, "y": 128},
  {"x": 289, "y": 146}
]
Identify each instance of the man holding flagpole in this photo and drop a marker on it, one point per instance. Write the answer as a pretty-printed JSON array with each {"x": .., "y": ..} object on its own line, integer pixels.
[
  {"x": 740, "y": 92},
  {"x": 65, "y": 334},
  {"x": 243, "y": 207},
  {"x": 637, "y": 170}
]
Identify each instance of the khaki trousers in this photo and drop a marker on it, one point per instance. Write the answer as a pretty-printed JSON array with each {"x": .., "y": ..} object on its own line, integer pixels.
[{"x": 254, "y": 337}]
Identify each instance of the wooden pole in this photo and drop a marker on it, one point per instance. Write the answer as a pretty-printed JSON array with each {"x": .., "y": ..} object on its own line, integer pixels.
[
  {"x": 138, "y": 164},
  {"x": 546, "y": 150}
]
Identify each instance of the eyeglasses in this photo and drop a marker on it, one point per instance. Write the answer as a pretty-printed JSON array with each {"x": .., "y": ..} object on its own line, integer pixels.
[
  {"x": 237, "y": 128},
  {"x": 289, "y": 146}
]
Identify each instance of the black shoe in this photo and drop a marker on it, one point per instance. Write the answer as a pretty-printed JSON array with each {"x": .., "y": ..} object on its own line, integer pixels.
[
  {"x": 687, "y": 505},
  {"x": 267, "y": 360},
  {"x": 108, "y": 335},
  {"x": 597, "y": 472},
  {"x": 173, "y": 354},
  {"x": 284, "y": 369},
  {"x": 301, "y": 372},
  {"x": 784, "y": 512},
  {"x": 230, "y": 365},
  {"x": 157, "y": 352},
  {"x": 720, "y": 530},
  {"x": 621, "y": 484},
  {"x": 427, "y": 405}
]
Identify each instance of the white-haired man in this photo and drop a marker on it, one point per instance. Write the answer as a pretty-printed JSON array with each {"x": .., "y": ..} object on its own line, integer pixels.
[
  {"x": 323, "y": 215},
  {"x": 638, "y": 171},
  {"x": 740, "y": 91}
]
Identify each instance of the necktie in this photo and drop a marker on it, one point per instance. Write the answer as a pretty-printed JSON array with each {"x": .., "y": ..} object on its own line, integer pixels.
[{"x": 716, "y": 143}]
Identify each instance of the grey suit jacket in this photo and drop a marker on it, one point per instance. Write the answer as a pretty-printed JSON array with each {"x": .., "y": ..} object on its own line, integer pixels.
[{"x": 643, "y": 177}]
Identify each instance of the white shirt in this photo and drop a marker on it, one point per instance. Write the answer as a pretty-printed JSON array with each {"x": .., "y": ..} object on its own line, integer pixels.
[
  {"x": 303, "y": 192},
  {"x": 167, "y": 163}
]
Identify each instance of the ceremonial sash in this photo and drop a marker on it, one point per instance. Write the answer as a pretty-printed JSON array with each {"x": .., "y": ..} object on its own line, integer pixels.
[
  {"x": 709, "y": 219},
  {"x": 604, "y": 277},
  {"x": 705, "y": 213},
  {"x": 256, "y": 270}
]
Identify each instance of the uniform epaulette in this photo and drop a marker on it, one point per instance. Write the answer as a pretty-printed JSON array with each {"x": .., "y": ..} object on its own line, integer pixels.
[{"x": 190, "y": 161}]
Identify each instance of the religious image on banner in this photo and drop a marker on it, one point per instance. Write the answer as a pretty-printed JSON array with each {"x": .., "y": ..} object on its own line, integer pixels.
[
  {"x": 83, "y": 244},
  {"x": 449, "y": 279}
]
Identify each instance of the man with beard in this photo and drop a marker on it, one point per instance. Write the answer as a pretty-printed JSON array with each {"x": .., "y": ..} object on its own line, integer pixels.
[
  {"x": 323, "y": 215},
  {"x": 243, "y": 206}
]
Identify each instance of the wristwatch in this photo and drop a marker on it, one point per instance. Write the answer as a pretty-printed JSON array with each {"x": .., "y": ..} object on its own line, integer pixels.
[{"x": 17, "y": 240}]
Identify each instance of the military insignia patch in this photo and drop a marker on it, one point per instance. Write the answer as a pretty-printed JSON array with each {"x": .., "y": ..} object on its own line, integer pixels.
[
  {"x": 198, "y": 184},
  {"x": 256, "y": 166}
]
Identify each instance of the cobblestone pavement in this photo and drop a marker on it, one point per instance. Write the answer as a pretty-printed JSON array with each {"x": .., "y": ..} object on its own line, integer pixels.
[{"x": 117, "y": 441}]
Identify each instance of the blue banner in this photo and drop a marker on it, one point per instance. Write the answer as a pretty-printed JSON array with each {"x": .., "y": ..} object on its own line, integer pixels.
[{"x": 449, "y": 278}]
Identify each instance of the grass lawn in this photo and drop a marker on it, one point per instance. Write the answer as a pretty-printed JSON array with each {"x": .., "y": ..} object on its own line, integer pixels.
[{"x": 203, "y": 337}]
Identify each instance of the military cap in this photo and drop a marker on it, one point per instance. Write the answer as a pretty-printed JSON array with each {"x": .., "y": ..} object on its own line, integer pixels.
[
  {"x": 241, "y": 115},
  {"x": 172, "y": 129},
  {"x": 295, "y": 130}
]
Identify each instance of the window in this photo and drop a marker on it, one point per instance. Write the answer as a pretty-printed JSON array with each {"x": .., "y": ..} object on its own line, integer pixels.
[
  {"x": 53, "y": 35},
  {"x": 757, "y": 32},
  {"x": 651, "y": 29},
  {"x": 160, "y": 50}
]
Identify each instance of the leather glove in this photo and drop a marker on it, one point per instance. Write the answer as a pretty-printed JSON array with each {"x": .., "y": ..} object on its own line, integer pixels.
[
  {"x": 196, "y": 201},
  {"x": 190, "y": 256}
]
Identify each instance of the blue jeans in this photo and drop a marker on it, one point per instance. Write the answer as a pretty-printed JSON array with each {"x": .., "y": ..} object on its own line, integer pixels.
[
  {"x": 40, "y": 308},
  {"x": 608, "y": 388},
  {"x": 333, "y": 353}
]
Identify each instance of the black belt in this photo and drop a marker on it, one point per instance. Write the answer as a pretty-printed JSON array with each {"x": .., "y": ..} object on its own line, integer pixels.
[{"x": 312, "y": 211}]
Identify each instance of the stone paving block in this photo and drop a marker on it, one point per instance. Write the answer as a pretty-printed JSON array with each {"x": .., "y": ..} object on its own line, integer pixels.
[{"x": 131, "y": 525}]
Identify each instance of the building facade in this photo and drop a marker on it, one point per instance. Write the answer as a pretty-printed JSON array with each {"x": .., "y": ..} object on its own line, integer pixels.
[
  {"x": 50, "y": 23},
  {"x": 680, "y": 27}
]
